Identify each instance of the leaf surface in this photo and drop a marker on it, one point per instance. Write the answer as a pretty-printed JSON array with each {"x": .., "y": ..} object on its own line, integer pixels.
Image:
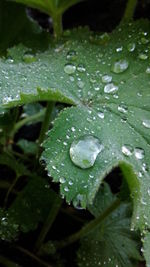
[
  {"x": 111, "y": 243},
  {"x": 113, "y": 106}
]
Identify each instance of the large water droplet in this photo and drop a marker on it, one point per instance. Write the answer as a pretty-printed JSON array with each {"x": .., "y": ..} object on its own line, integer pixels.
[
  {"x": 110, "y": 88},
  {"x": 84, "y": 151},
  {"x": 146, "y": 123},
  {"x": 69, "y": 68},
  {"x": 120, "y": 66},
  {"x": 139, "y": 153}
]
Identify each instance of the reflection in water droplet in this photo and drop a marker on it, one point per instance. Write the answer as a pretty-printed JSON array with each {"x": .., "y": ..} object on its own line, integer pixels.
[
  {"x": 139, "y": 153},
  {"x": 120, "y": 66},
  {"x": 127, "y": 150},
  {"x": 146, "y": 123},
  {"x": 84, "y": 151},
  {"x": 106, "y": 79},
  {"x": 110, "y": 88},
  {"x": 143, "y": 56},
  {"x": 70, "y": 68},
  {"x": 131, "y": 47}
]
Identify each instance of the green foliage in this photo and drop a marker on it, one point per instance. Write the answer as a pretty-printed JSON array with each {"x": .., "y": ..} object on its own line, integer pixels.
[
  {"x": 101, "y": 120},
  {"x": 111, "y": 243},
  {"x": 51, "y": 7},
  {"x": 18, "y": 30},
  {"x": 32, "y": 205}
]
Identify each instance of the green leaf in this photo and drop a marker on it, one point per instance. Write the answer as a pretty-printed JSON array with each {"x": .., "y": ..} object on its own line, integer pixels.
[
  {"x": 111, "y": 243},
  {"x": 8, "y": 227},
  {"x": 20, "y": 29},
  {"x": 119, "y": 120},
  {"x": 51, "y": 7},
  {"x": 28, "y": 147},
  {"x": 33, "y": 204},
  {"x": 146, "y": 248}
]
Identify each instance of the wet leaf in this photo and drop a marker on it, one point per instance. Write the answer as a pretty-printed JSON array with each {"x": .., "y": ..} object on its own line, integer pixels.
[{"x": 111, "y": 243}]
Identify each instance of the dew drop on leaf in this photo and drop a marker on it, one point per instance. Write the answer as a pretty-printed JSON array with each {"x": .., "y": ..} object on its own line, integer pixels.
[
  {"x": 131, "y": 47},
  {"x": 84, "y": 151},
  {"x": 139, "y": 153},
  {"x": 143, "y": 56},
  {"x": 106, "y": 79},
  {"x": 110, "y": 88},
  {"x": 148, "y": 70},
  {"x": 120, "y": 66},
  {"x": 127, "y": 150},
  {"x": 72, "y": 55},
  {"x": 146, "y": 123},
  {"x": 81, "y": 68},
  {"x": 69, "y": 68}
]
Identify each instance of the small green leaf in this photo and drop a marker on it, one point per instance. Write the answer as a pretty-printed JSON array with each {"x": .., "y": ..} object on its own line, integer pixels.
[
  {"x": 28, "y": 147},
  {"x": 111, "y": 243}
]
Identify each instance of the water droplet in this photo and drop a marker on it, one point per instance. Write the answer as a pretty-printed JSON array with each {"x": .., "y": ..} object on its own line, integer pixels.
[
  {"x": 66, "y": 189},
  {"x": 119, "y": 49},
  {"x": 84, "y": 151},
  {"x": 127, "y": 150},
  {"x": 144, "y": 40},
  {"x": 148, "y": 70},
  {"x": 72, "y": 55},
  {"x": 81, "y": 68},
  {"x": 101, "y": 115},
  {"x": 62, "y": 180},
  {"x": 123, "y": 108},
  {"x": 146, "y": 123},
  {"x": 106, "y": 79},
  {"x": 110, "y": 88},
  {"x": 80, "y": 84},
  {"x": 120, "y": 66},
  {"x": 70, "y": 68},
  {"x": 143, "y": 56},
  {"x": 139, "y": 153},
  {"x": 131, "y": 47}
]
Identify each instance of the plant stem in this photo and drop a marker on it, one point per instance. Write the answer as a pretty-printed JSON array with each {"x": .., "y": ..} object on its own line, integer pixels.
[
  {"x": 88, "y": 227},
  {"x": 10, "y": 189},
  {"x": 57, "y": 25},
  {"x": 6, "y": 262},
  {"x": 21, "y": 123},
  {"x": 48, "y": 223},
  {"x": 46, "y": 121},
  {"x": 34, "y": 257},
  {"x": 129, "y": 10}
]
